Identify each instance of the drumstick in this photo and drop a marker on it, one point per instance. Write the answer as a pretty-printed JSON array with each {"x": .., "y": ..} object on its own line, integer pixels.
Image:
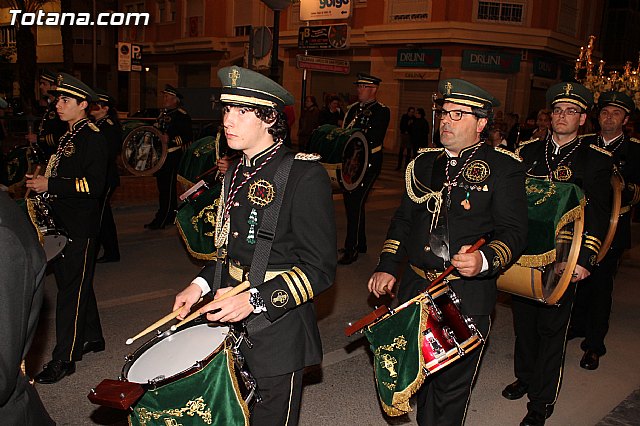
[
  {"x": 235, "y": 290},
  {"x": 450, "y": 269},
  {"x": 36, "y": 172},
  {"x": 155, "y": 325}
]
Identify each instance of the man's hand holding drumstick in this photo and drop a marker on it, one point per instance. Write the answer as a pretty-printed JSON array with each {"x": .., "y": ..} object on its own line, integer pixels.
[{"x": 221, "y": 309}]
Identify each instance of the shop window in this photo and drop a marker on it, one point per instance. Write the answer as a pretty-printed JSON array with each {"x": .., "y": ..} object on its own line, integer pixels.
[
  {"x": 501, "y": 11},
  {"x": 409, "y": 10}
]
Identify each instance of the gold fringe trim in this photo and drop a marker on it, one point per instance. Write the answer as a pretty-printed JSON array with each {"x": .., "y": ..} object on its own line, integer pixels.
[
  {"x": 197, "y": 255},
  {"x": 32, "y": 217}
]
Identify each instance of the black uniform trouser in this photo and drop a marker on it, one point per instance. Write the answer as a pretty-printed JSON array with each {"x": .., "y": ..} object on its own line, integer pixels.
[
  {"x": 443, "y": 398},
  {"x": 541, "y": 332},
  {"x": 166, "y": 179},
  {"x": 281, "y": 396},
  {"x": 77, "y": 318},
  {"x": 405, "y": 145},
  {"x": 590, "y": 317},
  {"x": 356, "y": 239},
  {"x": 108, "y": 237}
]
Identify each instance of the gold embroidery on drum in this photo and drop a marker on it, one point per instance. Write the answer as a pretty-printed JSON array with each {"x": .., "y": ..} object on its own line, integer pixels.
[
  {"x": 209, "y": 214},
  {"x": 562, "y": 173},
  {"x": 476, "y": 171},
  {"x": 191, "y": 408},
  {"x": 399, "y": 343},
  {"x": 388, "y": 363}
]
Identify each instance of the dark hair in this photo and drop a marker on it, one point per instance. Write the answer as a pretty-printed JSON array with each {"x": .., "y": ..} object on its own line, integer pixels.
[
  {"x": 277, "y": 119},
  {"x": 484, "y": 113},
  {"x": 412, "y": 108},
  {"x": 421, "y": 111}
]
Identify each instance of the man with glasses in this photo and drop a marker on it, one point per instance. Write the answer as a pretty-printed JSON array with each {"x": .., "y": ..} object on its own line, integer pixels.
[
  {"x": 372, "y": 118},
  {"x": 471, "y": 190},
  {"x": 590, "y": 317},
  {"x": 541, "y": 329}
]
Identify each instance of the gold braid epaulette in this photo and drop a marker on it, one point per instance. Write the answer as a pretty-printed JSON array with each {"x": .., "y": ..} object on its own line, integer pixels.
[
  {"x": 523, "y": 144},
  {"x": 509, "y": 153},
  {"x": 635, "y": 140},
  {"x": 601, "y": 150},
  {"x": 422, "y": 150},
  {"x": 307, "y": 156}
]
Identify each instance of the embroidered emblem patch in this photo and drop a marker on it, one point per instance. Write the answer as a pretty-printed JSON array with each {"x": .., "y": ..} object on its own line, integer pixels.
[
  {"x": 279, "y": 298},
  {"x": 593, "y": 259},
  {"x": 562, "y": 173},
  {"x": 476, "y": 171},
  {"x": 69, "y": 150},
  {"x": 261, "y": 193}
]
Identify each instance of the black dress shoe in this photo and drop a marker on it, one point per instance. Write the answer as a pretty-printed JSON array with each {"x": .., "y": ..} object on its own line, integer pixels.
[
  {"x": 533, "y": 418},
  {"x": 590, "y": 360},
  {"x": 93, "y": 346},
  {"x": 348, "y": 257},
  {"x": 54, "y": 371},
  {"x": 105, "y": 259},
  {"x": 515, "y": 390}
]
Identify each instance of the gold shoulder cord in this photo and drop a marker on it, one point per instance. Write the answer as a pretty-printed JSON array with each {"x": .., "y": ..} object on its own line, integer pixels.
[
  {"x": 222, "y": 226},
  {"x": 430, "y": 195}
]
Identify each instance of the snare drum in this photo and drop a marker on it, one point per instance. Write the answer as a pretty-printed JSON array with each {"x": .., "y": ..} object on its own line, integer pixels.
[
  {"x": 52, "y": 237},
  {"x": 556, "y": 222},
  {"x": 344, "y": 152},
  {"x": 417, "y": 339},
  {"x": 192, "y": 377}
]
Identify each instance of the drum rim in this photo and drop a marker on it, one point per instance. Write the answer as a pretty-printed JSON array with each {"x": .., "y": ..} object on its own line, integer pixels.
[
  {"x": 617, "y": 183},
  {"x": 163, "y": 155},
  {"x": 199, "y": 365},
  {"x": 353, "y": 186}
]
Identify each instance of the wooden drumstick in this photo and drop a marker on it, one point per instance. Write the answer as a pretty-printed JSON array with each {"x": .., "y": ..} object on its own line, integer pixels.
[
  {"x": 36, "y": 172},
  {"x": 155, "y": 325},
  {"x": 235, "y": 290}
]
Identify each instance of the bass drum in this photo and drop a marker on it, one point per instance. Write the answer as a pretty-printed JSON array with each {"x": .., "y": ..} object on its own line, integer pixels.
[
  {"x": 556, "y": 223},
  {"x": 344, "y": 154},
  {"x": 617, "y": 183},
  {"x": 143, "y": 152}
]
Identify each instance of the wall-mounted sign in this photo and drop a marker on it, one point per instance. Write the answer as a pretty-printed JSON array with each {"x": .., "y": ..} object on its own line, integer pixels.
[
  {"x": 124, "y": 56},
  {"x": 319, "y": 63},
  {"x": 419, "y": 58},
  {"x": 313, "y": 10},
  {"x": 545, "y": 67},
  {"x": 485, "y": 60},
  {"x": 416, "y": 74},
  {"x": 136, "y": 57},
  {"x": 324, "y": 37}
]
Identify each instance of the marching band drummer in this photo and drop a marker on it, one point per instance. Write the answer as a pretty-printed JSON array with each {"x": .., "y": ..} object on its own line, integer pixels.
[
  {"x": 541, "y": 329},
  {"x": 75, "y": 178},
  {"x": 175, "y": 123},
  {"x": 480, "y": 190},
  {"x": 590, "y": 317},
  {"x": 372, "y": 117},
  {"x": 302, "y": 259}
]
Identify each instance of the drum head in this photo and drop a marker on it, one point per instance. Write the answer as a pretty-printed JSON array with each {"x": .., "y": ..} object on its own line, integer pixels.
[
  {"x": 174, "y": 352},
  {"x": 53, "y": 245},
  {"x": 143, "y": 152},
  {"x": 355, "y": 161},
  {"x": 557, "y": 276}
]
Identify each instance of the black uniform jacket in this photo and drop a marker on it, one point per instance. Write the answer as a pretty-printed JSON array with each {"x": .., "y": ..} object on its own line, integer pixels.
[
  {"x": 79, "y": 180},
  {"x": 372, "y": 118},
  {"x": 176, "y": 123},
  {"x": 50, "y": 130},
  {"x": 626, "y": 157},
  {"x": 23, "y": 266},
  {"x": 590, "y": 169},
  {"x": 494, "y": 179},
  {"x": 113, "y": 134},
  {"x": 304, "y": 245}
]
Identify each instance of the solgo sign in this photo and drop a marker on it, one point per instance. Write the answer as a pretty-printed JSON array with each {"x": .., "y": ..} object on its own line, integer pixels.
[{"x": 313, "y": 10}]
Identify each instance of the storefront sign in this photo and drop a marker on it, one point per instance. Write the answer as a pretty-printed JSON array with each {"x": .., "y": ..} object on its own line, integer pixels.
[
  {"x": 416, "y": 74},
  {"x": 418, "y": 58},
  {"x": 484, "y": 60},
  {"x": 544, "y": 67},
  {"x": 313, "y": 10},
  {"x": 319, "y": 63},
  {"x": 324, "y": 37}
]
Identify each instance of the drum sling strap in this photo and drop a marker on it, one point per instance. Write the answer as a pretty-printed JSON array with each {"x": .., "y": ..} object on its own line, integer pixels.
[{"x": 264, "y": 239}]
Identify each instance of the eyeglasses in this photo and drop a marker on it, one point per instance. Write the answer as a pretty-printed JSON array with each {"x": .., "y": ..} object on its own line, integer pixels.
[
  {"x": 455, "y": 115},
  {"x": 568, "y": 112}
]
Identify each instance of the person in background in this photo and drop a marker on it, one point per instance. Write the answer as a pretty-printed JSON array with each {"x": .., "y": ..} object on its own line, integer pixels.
[
  {"x": 405, "y": 137},
  {"x": 23, "y": 264},
  {"x": 592, "y": 308},
  {"x": 290, "y": 113},
  {"x": 106, "y": 118},
  {"x": 419, "y": 132},
  {"x": 309, "y": 121},
  {"x": 175, "y": 124},
  {"x": 75, "y": 179},
  {"x": 513, "y": 130},
  {"x": 332, "y": 113},
  {"x": 543, "y": 125}
]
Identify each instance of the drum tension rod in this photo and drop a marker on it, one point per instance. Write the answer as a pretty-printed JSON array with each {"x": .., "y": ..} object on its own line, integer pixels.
[{"x": 452, "y": 337}]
